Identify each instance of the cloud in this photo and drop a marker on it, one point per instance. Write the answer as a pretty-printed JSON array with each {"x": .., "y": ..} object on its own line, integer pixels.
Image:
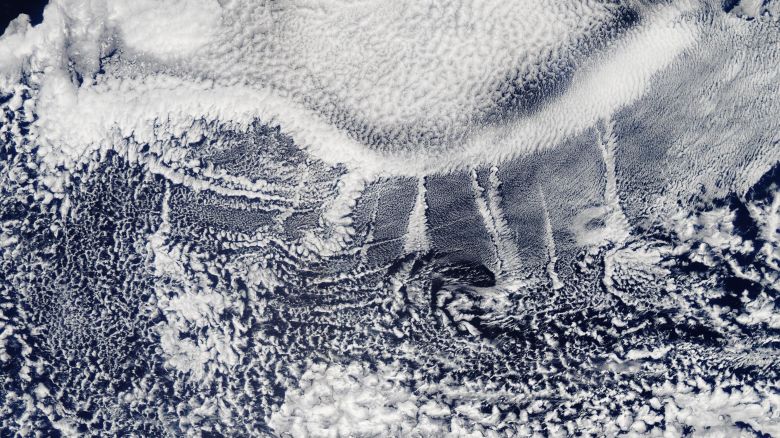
[{"x": 430, "y": 70}]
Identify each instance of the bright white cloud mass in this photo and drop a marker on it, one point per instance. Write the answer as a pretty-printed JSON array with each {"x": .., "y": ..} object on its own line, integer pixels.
[{"x": 337, "y": 218}]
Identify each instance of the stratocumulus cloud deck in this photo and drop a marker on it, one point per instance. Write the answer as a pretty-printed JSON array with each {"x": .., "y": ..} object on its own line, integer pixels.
[{"x": 414, "y": 218}]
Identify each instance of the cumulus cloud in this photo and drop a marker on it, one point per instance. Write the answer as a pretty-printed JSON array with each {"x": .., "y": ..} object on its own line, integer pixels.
[{"x": 357, "y": 400}]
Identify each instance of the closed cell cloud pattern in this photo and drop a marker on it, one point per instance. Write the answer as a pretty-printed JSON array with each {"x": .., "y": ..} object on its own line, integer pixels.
[{"x": 411, "y": 218}]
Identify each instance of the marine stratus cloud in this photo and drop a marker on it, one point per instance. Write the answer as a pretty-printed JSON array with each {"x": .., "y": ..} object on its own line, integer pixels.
[{"x": 354, "y": 218}]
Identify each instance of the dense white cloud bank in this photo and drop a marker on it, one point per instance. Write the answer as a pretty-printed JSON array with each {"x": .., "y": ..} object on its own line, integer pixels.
[{"x": 426, "y": 69}]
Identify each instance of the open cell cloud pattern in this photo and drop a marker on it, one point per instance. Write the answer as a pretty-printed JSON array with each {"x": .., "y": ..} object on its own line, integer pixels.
[{"x": 363, "y": 218}]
